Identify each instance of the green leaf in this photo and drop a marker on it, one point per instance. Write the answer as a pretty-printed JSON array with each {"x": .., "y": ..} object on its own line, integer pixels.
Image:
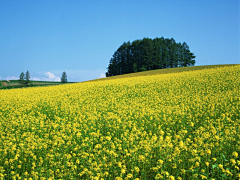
[
  {"x": 214, "y": 166},
  {"x": 224, "y": 158},
  {"x": 224, "y": 176}
]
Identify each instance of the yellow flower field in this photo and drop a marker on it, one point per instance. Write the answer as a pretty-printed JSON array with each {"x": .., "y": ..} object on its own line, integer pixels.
[{"x": 170, "y": 126}]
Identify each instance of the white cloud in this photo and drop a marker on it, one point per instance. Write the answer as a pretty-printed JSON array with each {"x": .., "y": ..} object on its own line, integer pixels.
[
  {"x": 12, "y": 78},
  {"x": 0, "y": 77},
  {"x": 52, "y": 77},
  {"x": 48, "y": 76},
  {"x": 36, "y": 78},
  {"x": 102, "y": 75},
  {"x": 82, "y": 75}
]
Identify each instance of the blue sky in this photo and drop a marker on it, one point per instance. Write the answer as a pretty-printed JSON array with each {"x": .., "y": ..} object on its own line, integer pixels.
[{"x": 48, "y": 37}]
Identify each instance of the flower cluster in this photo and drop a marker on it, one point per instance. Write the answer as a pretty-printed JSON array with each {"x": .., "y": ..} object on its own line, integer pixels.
[{"x": 170, "y": 126}]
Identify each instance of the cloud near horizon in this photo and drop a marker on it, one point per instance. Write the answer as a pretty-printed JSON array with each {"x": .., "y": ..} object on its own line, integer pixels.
[
  {"x": 82, "y": 75},
  {"x": 48, "y": 77},
  {"x": 12, "y": 78},
  {"x": 102, "y": 75},
  {"x": 52, "y": 77}
]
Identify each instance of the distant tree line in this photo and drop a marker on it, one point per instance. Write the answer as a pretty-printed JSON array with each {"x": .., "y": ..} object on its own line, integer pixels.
[
  {"x": 24, "y": 79},
  {"x": 149, "y": 54}
]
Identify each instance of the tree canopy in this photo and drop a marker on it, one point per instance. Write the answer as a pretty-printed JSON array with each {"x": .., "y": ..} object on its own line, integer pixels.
[
  {"x": 24, "y": 79},
  {"x": 27, "y": 77},
  {"x": 64, "y": 77},
  {"x": 149, "y": 54},
  {"x": 21, "y": 78}
]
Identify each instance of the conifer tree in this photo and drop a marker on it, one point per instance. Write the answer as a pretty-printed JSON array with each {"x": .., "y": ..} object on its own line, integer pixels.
[
  {"x": 21, "y": 78},
  {"x": 27, "y": 78},
  {"x": 64, "y": 77}
]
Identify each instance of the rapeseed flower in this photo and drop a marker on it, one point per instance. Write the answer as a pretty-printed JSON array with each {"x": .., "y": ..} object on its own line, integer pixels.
[
  {"x": 235, "y": 154},
  {"x": 154, "y": 127}
]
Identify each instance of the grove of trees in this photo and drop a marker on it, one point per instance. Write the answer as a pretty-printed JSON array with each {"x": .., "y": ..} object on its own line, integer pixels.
[
  {"x": 24, "y": 79},
  {"x": 149, "y": 54}
]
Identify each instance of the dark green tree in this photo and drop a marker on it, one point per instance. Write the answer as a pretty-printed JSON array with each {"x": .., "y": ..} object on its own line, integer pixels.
[
  {"x": 27, "y": 78},
  {"x": 149, "y": 54},
  {"x": 21, "y": 79},
  {"x": 64, "y": 77}
]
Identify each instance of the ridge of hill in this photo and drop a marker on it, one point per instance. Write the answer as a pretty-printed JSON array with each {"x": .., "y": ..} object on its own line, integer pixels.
[
  {"x": 163, "y": 71},
  {"x": 10, "y": 84}
]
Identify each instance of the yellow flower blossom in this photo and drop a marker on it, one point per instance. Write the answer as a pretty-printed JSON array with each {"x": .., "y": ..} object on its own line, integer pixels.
[
  {"x": 208, "y": 151},
  {"x": 158, "y": 176},
  {"x": 129, "y": 175},
  {"x": 235, "y": 154}
]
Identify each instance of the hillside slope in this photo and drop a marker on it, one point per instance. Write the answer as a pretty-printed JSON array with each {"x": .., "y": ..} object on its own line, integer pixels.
[{"x": 165, "y": 126}]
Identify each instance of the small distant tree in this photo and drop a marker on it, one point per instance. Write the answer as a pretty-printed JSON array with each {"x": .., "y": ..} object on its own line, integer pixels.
[
  {"x": 64, "y": 77},
  {"x": 21, "y": 78},
  {"x": 27, "y": 78}
]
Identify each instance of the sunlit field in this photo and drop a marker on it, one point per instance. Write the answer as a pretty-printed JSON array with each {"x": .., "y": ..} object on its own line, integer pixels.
[{"x": 169, "y": 126}]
